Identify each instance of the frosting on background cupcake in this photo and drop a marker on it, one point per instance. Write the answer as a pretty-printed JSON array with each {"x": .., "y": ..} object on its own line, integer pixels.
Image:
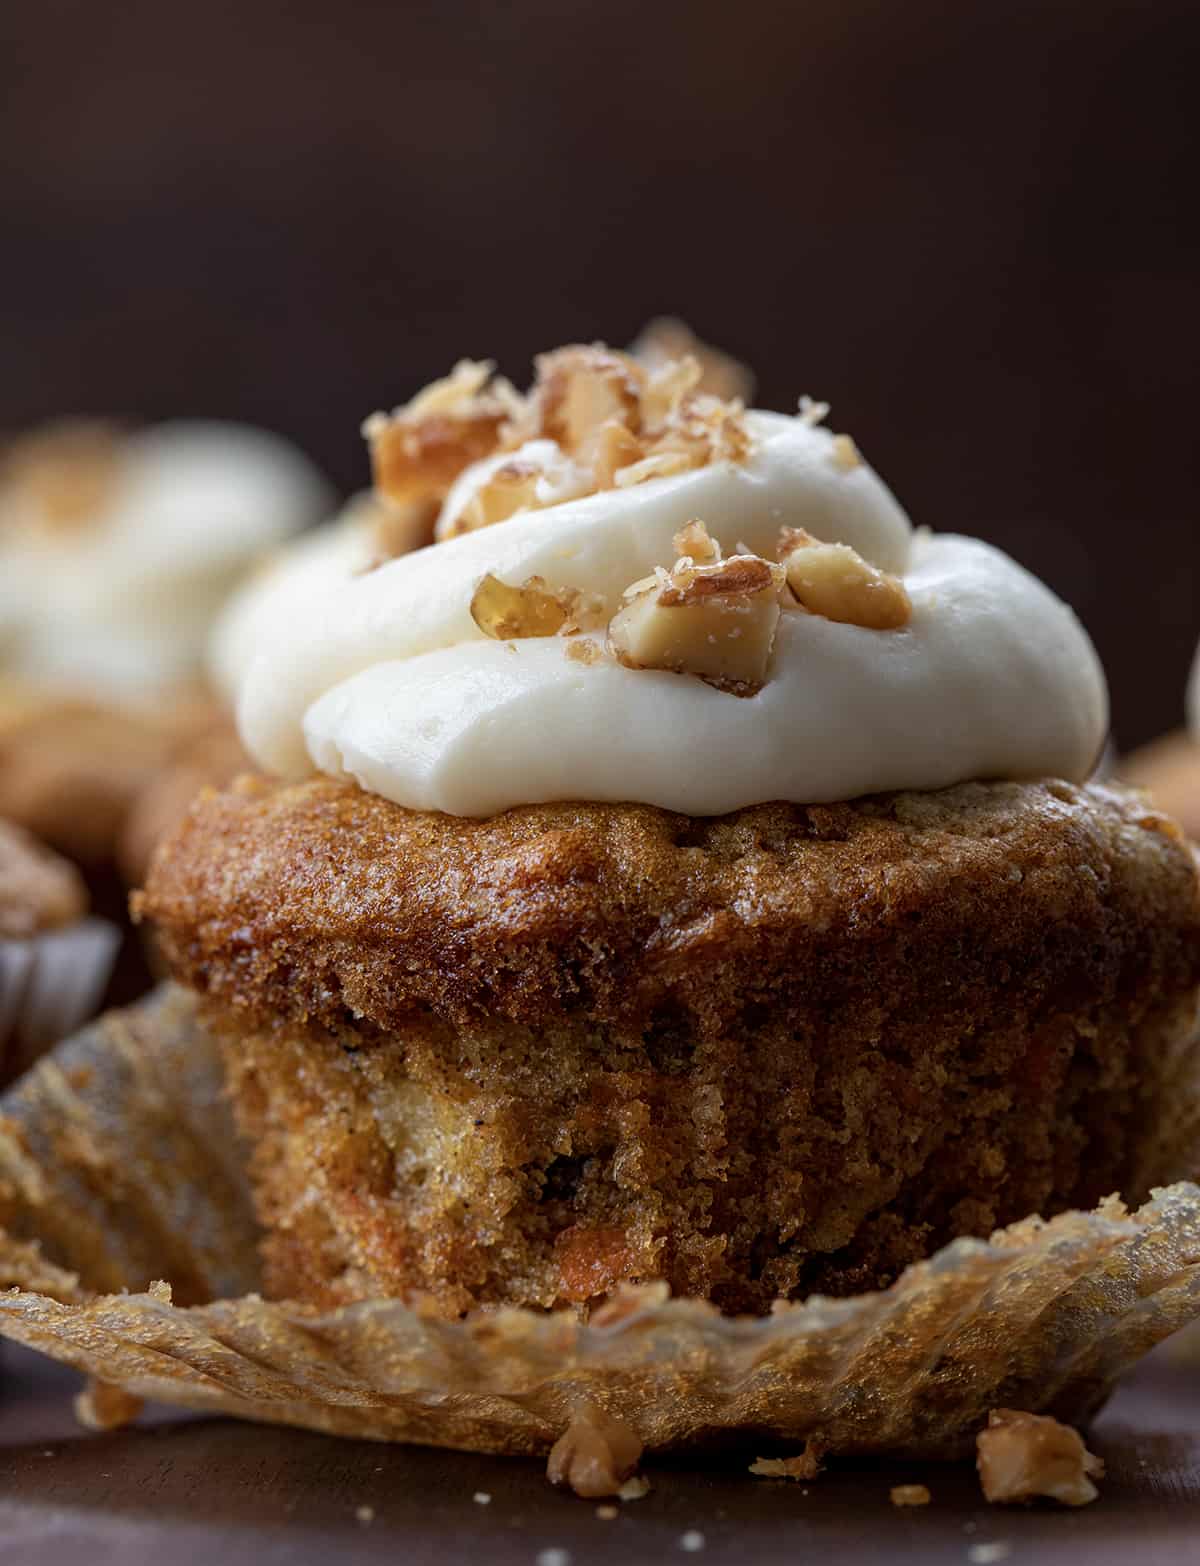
[{"x": 116, "y": 552}]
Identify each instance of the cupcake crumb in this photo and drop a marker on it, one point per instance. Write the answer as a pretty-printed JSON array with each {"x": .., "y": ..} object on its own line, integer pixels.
[
  {"x": 910, "y": 1495},
  {"x": 482, "y": 1498},
  {"x": 691, "y": 1541},
  {"x": 365, "y": 1515},
  {"x": 805, "y": 1465},
  {"x": 607, "y": 1513},
  {"x": 990, "y": 1551}
]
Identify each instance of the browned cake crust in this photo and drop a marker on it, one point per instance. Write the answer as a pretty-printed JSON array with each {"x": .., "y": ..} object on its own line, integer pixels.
[{"x": 785, "y": 1050}]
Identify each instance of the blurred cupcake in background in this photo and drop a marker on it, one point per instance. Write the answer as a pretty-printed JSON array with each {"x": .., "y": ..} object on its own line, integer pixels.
[
  {"x": 363, "y": 535},
  {"x": 55, "y": 961},
  {"x": 1169, "y": 768},
  {"x": 117, "y": 551}
]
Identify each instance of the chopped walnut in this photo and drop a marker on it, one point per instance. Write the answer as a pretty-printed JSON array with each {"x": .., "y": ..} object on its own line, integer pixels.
[
  {"x": 694, "y": 542},
  {"x": 513, "y": 613},
  {"x": 611, "y": 419},
  {"x": 420, "y": 449},
  {"x": 66, "y": 472},
  {"x": 1021, "y": 1456},
  {"x": 716, "y": 621},
  {"x": 845, "y": 454},
  {"x": 510, "y": 489},
  {"x": 580, "y": 389},
  {"x": 834, "y": 581},
  {"x": 667, "y": 339},
  {"x": 582, "y": 649},
  {"x": 596, "y": 1455}
]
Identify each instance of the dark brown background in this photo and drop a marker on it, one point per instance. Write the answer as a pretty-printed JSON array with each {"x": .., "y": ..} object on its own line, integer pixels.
[{"x": 971, "y": 226}]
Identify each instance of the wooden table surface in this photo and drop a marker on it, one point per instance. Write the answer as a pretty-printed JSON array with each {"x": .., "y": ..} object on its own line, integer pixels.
[{"x": 178, "y": 1490}]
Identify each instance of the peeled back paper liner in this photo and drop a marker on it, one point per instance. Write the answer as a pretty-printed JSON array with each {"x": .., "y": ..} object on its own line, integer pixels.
[{"x": 119, "y": 1167}]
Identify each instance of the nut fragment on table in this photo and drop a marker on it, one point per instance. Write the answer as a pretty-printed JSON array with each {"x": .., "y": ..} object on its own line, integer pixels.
[
  {"x": 910, "y": 1495},
  {"x": 1022, "y": 1456},
  {"x": 596, "y": 1454},
  {"x": 835, "y": 582},
  {"x": 716, "y": 621},
  {"x": 805, "y": 1465}
]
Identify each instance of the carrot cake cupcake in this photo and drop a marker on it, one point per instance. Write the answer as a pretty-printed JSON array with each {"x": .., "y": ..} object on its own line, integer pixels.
[
  {"x": 116, "y": 552},
  {"x": 684, "y": 869}
]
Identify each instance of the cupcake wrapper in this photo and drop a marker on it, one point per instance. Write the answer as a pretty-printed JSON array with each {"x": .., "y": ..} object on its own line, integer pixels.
[
  {"x": 119, "y": 1166},
  {"x": 49, "y": 985}
]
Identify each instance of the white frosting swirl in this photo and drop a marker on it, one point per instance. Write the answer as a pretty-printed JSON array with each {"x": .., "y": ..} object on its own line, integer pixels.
[
  {"x": 390, "y": 681},
  {"x": 119, "y": 605}
]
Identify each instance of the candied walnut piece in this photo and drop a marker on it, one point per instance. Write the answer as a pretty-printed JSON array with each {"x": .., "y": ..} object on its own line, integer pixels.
[
  {"x": 834, "y": 581},
  {"x": 1021, "y": 1456},
  {"x": 717, "y": 621},
  {"x": 596, "y": 1454},
  {"x": 420, "y": 449},
  {"x": 667, "y": 338},
  {"x": 513, "y": 613},
  {"x": 66, "y": 472}
]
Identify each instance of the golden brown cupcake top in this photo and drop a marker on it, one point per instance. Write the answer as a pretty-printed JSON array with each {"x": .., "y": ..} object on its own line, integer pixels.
[
  {"x": 38, "y": 890},
  {"x": 318, "y": 900}
]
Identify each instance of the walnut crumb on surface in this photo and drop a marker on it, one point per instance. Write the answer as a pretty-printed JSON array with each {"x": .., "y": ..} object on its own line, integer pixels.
[
  {"x": 845, "y": 453},
  {"x": 1021, "y": 1457},
  {"x": 910, "y": 1495},
  {"x": 716, "y": 621},
  {"x": 365, "y": 1514},
  {"x": 102, "y": 1406},
  {"x": 805, "y": 1465},
  {"x": 635, "y": 1489},
  {"x": 607, "y": 1513},
  {"x": 835, "y": 582},
  {"x": 596, "y": 1454}
]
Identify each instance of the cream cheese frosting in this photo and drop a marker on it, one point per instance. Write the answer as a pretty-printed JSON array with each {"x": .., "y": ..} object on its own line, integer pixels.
[
  {"x": 119, "y": 603},
  {"x": 287, "y": 580},
  {"x": 388, "y": 680}
]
